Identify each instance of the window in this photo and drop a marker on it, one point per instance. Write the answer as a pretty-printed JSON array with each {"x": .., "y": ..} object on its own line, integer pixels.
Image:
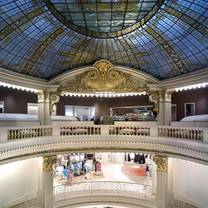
[
  {"x": 1, "y": 106},
  {"x": 189, "y": 109}
]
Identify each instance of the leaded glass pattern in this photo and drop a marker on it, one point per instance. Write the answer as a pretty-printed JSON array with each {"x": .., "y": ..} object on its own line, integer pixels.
[
  {"x": 28, "y": 37},
  {"x": 104, "y": 18}
]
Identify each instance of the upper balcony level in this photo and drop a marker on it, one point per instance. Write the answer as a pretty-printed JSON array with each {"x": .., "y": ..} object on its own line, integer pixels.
[{"x": 184, "y": 142}]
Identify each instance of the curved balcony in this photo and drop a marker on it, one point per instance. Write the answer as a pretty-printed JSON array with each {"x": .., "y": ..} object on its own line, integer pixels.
[
  {"x": 130, "y": 194},
  {"x": 186, "y": 142}
]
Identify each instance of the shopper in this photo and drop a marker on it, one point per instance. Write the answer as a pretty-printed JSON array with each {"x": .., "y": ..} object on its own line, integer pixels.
[{"x": 70, "y": 176}]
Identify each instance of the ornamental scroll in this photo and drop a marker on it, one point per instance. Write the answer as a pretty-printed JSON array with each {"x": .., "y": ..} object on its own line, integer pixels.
[
  {"x": 104, "y": 77},
  {"x": 162, "y": 163}
]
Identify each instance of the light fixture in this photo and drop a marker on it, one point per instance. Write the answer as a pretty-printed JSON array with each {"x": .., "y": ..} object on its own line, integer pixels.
[
  {"x": 190, "y": 87},
  {"x": 18, "y": 87},
  {"x": 103, "y": 94}
]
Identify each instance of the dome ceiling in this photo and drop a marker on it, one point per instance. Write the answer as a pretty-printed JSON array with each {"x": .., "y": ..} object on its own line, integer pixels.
[{"x": 163, "y": 39}]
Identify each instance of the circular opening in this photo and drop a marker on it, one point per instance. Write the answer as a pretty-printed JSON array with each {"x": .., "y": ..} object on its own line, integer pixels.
[{"x": 104, "y": 18}]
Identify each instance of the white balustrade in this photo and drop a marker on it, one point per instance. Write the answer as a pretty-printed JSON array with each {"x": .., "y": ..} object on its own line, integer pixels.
[
  {"x": 126, "y": 128},
  {"x": 129, "y": 130},
  {"x": 195, "y": 134},
  {"x": 80, "y": 130},
  {"x": 25, "y": 132},
  {"x": 135, "y": 190}
]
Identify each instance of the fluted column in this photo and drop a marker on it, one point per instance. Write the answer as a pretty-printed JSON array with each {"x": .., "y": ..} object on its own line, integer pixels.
[
  {"x": 44, "y": 108},
  {"x": 162, "y": 180},
  {"x": 164, "y": 117},
  {"x": 48, "y": 162}
]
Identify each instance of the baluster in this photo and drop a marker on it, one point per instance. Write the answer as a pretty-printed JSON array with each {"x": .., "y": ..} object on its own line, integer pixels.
[
  {"x": 66, "y": 130},
  {"x": 12, "y": 134},
  {"x": 190, "y": 135},
  {"x": 195, "y": 135},
  {"x": 160, "y": 132},
  {"x": 9, "y": 135},
  {"x": 201, "y": 135},
  {"x": 165, "y": 131},
  {"x": 47, "y": 131},
  {"x": 178, "y": 133},
  {"x": 32, "y": 132}
]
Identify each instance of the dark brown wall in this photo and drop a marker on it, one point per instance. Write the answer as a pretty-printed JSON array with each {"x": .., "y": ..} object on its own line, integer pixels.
[
  {"x": 197, "y": 96},
  {"x": 102, "y": 105},
  {"x": 15, "y": 101}
]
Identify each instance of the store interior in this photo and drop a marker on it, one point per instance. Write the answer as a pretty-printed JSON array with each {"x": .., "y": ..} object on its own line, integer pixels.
[{"x": 75, "y": 168}]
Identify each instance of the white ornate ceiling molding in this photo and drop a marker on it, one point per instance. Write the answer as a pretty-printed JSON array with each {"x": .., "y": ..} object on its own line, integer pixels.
[
  {"x": 18, "y": 79},
  {"x": 15, "y": 78},
  {"x": 192, "y": 78}
]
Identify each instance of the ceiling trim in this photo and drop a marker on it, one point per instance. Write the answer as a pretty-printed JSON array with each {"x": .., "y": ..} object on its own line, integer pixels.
[
  {"x": 11, "y": 77},
  {"x": 186, "y": 79}
]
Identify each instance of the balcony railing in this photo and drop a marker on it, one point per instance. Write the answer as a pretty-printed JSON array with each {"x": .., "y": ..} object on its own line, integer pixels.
[
  {"x": 143, "y": 129},
  {"x": 104, "y": 188}
]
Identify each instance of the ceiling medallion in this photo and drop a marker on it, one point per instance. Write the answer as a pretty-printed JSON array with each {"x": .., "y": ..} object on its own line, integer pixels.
[
  {"x": 104, "y": 77},
  {"x": 103, "y": 18}
]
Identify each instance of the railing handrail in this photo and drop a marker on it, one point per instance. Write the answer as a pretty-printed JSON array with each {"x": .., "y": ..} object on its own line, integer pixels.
[
  {"x": 129, "y": 189},
  {"x": 106, "y": 181},
  {"x": 88, "y": 125},
  {"x": 187, "y": 133}
]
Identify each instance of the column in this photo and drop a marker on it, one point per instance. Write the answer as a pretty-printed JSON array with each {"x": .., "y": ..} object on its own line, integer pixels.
[
  {"x": 162, "y": 180},
  {"x": 164, "y": 117},
  {"x": 44, "y": 108},
  {"x": 48, "y": 162}
]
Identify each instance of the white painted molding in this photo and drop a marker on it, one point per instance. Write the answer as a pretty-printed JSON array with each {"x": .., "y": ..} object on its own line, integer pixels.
[
  {"x": 39, "y": 146},
  {"x": 186, "y": 79},
  {"x": 11, "y": 77},
  {"x": 15, "y": 78}
]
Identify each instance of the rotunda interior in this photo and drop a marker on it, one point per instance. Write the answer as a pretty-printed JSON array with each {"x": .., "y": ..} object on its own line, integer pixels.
[{"x": 103, "y": 103}]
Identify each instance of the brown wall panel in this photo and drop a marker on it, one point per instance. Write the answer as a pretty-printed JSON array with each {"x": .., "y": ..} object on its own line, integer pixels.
[
  {"x": 15, "y": 101},
  {"x": 102, "y": 105},
  {"x": 197, "y": 96}
]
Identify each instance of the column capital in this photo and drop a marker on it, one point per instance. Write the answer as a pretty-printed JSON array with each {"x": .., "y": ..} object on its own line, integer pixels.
[
  {"x": 48, "y": 162},
  {"x": 43, "y": 97},
  {"x": 161, "y": 163},
  {"x": 165, "y": 95}
]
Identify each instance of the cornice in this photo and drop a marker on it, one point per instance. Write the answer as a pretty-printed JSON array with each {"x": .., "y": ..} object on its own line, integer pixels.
[
  {"x": 185, "y": 79},
  {"x": 11, "y": 77},
  {"x": 193, "y": 151}
]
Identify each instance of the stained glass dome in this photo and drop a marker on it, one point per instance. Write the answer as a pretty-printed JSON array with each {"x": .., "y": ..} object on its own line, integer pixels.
[{"x": 104, "y": 18}]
